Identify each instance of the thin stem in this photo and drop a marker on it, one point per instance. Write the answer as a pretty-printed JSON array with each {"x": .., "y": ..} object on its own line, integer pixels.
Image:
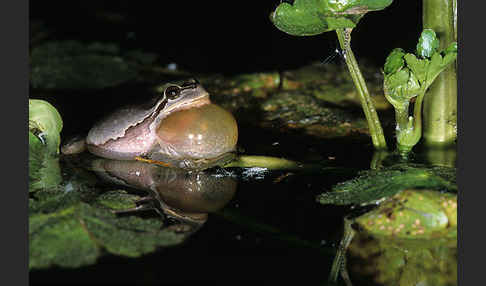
[
  {"x": 339, "y": 263},
  {"x": 377, "y": 136},
  {"x": 413, "y": 130}
]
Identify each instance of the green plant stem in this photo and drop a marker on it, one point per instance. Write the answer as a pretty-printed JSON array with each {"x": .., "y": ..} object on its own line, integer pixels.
[
  {"x": 377, "y": 136},
  {"x": 440, "y": 104},
  {"x": 413, "y": 130},
  {"x": 339, "y": 263}
]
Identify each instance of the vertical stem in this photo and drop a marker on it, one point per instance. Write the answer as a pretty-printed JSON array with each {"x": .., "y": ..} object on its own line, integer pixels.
[
  {"x": 440, "y": 104},
  {"x": 377, "y": 136}
]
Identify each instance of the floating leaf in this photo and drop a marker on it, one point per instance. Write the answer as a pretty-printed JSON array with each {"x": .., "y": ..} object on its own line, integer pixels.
[
  {"x": 374, "y": 185},
  {"x": 414, "y": 214}
]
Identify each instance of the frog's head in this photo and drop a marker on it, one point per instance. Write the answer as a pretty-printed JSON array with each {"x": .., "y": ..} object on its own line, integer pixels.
[{"x": 182, "y": 96}]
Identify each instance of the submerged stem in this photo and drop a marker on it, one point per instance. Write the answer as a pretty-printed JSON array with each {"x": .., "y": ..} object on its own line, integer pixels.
[{"x": 377, "y": 136}]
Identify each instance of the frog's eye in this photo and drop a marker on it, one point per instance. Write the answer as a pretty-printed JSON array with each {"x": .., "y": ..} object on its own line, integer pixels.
[{"x": 172, "y": 92}]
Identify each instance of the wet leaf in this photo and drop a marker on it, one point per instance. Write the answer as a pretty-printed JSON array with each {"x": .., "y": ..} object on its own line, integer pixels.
[
  {"x": 72, "y": 229},
  {"x": 395, "y": 261},
  {"x": 45, "y": 125},
  {"x": 373, "y": 185},
  {"x": 312, "y": 17},
  {"x": 414, "y": 214},
  {"x": 428, "y": 43},
  {"x": 394, "y": 61},
  {"x": 407, "y": 75}
]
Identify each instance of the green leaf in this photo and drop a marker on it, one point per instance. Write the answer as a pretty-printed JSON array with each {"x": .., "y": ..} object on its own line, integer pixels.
[
  {"x": 428, "y": 43},
  {"x": 394, "y": 61},
  {"x": 374, "y": 185},
  {"x": 67, "y": 232},
  {"x": 46, "y": 123},
  {"x": 414, "y": 214},
  {"x": 439, "y": 63},
  {"x": 419, "y": 67},
  {"x": 312, "y": 17}
]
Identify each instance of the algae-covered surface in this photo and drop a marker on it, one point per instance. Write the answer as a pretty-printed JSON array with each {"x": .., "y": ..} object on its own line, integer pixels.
[{"x": 94, "y": 221}]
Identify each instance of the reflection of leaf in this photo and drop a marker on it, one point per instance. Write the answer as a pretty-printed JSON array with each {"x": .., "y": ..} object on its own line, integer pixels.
[
  {"x": 312, "y": 17},
  {"x": 394, "y": 261},
  {"x": 373, "y": 185}
]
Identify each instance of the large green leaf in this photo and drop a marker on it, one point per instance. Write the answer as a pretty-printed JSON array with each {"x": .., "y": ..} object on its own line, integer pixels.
[
  {"x": 375, "y": 185},
  {"x": 312, "y": 17},
  {"x": 65, "y": 230}
]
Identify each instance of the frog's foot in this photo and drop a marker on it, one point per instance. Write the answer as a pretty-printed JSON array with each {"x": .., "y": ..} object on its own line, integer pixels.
[{"x": 150, "y": 161}]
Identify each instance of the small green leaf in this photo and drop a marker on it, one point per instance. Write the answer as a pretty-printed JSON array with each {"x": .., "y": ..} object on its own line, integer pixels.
[
  {"x": 46, "y": 123},
  {"x": 418, "y": 67},
  {"x": 428, "y": 43},
  {"x": 439, "y": 63},
  {"x": 394, "y": 61}
]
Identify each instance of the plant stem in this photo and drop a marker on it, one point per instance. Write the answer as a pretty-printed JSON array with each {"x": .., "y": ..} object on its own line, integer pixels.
[
  {"x": 440, "y": 104},
  {"x": 377, "y": 136},
  {"x": 412, "y": 131}
]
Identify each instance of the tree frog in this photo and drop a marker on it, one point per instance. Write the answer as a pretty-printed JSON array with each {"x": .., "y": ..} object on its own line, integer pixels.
[{"x": 181, "y": 128}]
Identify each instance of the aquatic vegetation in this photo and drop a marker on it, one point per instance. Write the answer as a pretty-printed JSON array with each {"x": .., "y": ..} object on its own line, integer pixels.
[
  {"x": 409, "y": 76},
  {"x": 75, "y": 233},
  {"x": 45, "y": 125},
  {"x": 311, "y": 17},
  {"x": 402, "y": 261},
  {"x": 372, "y": 186},
  {"x": 402, "y": 83}
]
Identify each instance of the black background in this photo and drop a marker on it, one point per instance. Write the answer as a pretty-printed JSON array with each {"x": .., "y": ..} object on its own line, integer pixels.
[{"x": 223, "y": 36}]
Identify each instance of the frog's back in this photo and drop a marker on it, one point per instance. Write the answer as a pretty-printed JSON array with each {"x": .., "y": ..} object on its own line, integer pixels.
[{"x": 115, "y": 125}]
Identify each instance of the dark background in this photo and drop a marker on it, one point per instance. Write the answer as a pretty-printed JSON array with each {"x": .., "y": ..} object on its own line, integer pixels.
[{"x": 223, "y": 36}]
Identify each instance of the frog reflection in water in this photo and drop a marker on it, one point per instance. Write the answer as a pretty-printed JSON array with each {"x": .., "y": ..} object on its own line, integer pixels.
[
  {"x": 181, "y": 129},
  {"x": 185, "y": 196}
]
